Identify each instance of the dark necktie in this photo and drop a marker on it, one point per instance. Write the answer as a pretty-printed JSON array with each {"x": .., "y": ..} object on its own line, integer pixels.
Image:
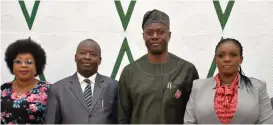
[{"x": 88, "y": 93}]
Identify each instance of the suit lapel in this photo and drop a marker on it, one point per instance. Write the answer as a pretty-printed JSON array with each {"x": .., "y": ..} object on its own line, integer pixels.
[
  {"x": 211, "y": 93},
  {"x": 75, "y": 87},
  {"x": 240, "y": 104},
  {"x": 98, "y": 90}
]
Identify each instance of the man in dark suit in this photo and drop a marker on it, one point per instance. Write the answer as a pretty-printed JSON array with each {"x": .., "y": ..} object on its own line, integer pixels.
[{"x": 85, "y": 97}]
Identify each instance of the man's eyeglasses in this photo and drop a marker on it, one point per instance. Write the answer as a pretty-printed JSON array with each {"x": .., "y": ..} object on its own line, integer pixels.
[{"x": 27, "y": 62}]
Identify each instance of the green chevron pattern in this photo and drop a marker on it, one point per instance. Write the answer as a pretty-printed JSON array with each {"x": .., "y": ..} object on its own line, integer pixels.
[
  {"x": 30, "y": 20},
  {"x": 223, "y": 18},
  {"x": 124, "y": 48},
  {"x": 125, "y": 19}
]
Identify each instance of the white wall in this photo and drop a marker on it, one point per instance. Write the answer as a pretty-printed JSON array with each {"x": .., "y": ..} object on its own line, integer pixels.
[{"x": 60, "y": 25}]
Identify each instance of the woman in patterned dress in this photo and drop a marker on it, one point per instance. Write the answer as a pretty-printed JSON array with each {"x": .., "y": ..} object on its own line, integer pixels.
[
  {"x": 23, "y": 100},
  {"x": 229, "y": 97}
]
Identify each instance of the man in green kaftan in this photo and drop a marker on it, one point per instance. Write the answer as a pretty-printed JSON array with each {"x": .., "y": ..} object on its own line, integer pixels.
[{"x": 155, "y": 88}]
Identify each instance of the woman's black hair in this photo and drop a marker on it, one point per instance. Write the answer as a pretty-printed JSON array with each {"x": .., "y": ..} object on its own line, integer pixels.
[{"x": 22, "y": 46}]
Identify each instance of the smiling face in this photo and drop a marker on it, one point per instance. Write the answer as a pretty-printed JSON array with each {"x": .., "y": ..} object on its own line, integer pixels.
[
  {"x": 228, "y": 58},
  {"x": 156, "y": 37},
  {"x": 88, "y": 58},
  {"x": 24, "y": 67}
]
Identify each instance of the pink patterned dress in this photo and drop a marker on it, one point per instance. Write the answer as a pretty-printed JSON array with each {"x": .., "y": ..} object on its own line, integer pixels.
[{"x": 26, "y": 108}]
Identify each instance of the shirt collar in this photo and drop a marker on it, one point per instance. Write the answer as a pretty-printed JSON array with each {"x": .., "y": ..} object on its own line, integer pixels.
[{"x": 82, "y": 78}]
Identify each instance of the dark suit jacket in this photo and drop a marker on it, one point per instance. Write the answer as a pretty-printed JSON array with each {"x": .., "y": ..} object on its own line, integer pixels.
[{"x": 66, "y": 103}]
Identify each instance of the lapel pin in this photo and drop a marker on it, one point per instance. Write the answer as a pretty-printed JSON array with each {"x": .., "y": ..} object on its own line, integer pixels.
[{"x": 177, "y": 94}]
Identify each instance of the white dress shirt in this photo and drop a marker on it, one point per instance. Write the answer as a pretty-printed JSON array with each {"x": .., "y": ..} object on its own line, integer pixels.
[{"x": 84, "y": 84}]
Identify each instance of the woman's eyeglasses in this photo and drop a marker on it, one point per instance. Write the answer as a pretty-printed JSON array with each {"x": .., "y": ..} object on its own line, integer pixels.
[{"x": 27, "y": 62}]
